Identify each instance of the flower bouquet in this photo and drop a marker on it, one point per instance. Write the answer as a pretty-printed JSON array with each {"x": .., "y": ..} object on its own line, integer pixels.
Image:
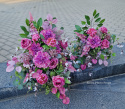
[
  {"x": 93, "y": 43},
  {"x": 42, "y": 61}
]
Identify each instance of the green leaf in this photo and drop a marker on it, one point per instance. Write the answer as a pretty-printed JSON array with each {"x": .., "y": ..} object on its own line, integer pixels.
[
  {"x": 99, "y": 25},
  {"x": 78, "y": 27},
  {"x": 36, "y": 69},
  {"x": 25, "y": 30},
  {"x": 102, "y": 56},
  {"x": 113, "y": 37},
  {"x": 88, "y": 22},
  {"x": 16, "y": 82},
  {"x": 23, "y": 35},
  {"x": 35, "y": 24},
  {"x": 113, "y": 54},
  {"x": 67, "y": 74},
  {"x": 58, "y": 94},
  {"x": 96, "y": 16},
  {"x": 39, "y": 23},
  {"x": 84, "y": 28},
  {"x": 83, "y": 22},
  {"x": 102, "y": 21},
  {"x": 98, "y": 19},
  {"x": 62, "y": 28},
  {"x": 42, "y": 37},
  {"x": 27, "y": 22},
  {"x": 54, "y": 17},
  {"x": 46, "y": 47},
  {"x": 53, "y": 48},
  {"x": 87, "y": 17},
  {"x": 53, "y": 25},
  {"x": 76, "y": 66},
  {"x": 94, "y": 13},
  {"x": 67, "y": 81}
]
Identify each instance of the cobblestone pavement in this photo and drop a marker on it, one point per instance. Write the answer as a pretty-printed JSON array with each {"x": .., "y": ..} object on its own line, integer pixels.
[{"x": 69, "y": 12}]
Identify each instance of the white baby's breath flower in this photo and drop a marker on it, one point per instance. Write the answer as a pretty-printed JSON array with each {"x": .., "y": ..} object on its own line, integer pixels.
[
  {"x": 89, "y": 64},
  {"x": 70, "y": 54},
  {"x": 35, "y": 89},
  {"x": 120, "y": 46},
  {"x": 29, "y": 87},
  {"x": 66, "y": 64}
]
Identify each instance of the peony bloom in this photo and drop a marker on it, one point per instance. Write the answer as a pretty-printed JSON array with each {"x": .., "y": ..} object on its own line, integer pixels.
[
  {"x": 48, "y": 33},
  {"x": 103, "y": 29},
  {"x": 83, "y": 67},
  {"x": 58, "y": 81},
  {"x": 94, "y": 61},
  {"x": 35, "y": 37},
  {"x": 34, "y": 49},
  {"x": 86, "y": 49},
  {"x": 51, "y": 42},
  {"x": 92, "y": 32},
  {"x": 66, "y": 100},
  {"x": 53, "y": 63},
  {"x": 42, "y": 59},
  {"x": 94, "y": 41},
  {"x": 105, "y": 44},
  {"x": 64, "y": 44},
  {"x": 42, "y": 79},
  {"x": 54, "y": 90},
  {"x": 18, "y": 69},
  {"x": 62, "y": 96},
  {"x": 25, "y": 43}
]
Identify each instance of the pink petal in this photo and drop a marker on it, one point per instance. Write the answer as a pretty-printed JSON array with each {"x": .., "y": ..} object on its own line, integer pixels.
[
  {"x": 62, "y": 90},
  {"x": 49, "y": 17},
  {"x": 105, "y": 63},
  {"x": 9, "y": 68},
  {"x": 66, "y": 100},
  {"x": 71, "y": 68},
  {"x": 18, "y": 69},
  {"x": 54, "y": 21},
  {"x": 26, "y": 78},
  {"x": 35, "y": 75},
  {"x": 54, "y": 90},
  {"x": 100, "y": 62},
  {"x": 31, "y": 17},
  {"x": 11, "y": 63}
]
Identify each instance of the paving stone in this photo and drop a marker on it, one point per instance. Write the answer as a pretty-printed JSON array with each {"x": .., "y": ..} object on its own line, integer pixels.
[{"x": 4, "y": 52}]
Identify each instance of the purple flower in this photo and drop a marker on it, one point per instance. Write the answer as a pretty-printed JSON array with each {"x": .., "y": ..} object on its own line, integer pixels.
[
  {"x": 47, "y": 34},
  {"x": 42, "y": 59},
  {"x": 34, "y": 49},
  {"x": 94, "y": 41}
]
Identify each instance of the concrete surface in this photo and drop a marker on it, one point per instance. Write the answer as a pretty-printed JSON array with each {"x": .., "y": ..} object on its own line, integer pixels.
[{"x": 68, "y": 12}]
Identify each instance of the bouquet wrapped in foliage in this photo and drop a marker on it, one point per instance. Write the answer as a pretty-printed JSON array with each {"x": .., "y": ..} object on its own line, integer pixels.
[
  {"x": 93, "y": 43},
  {"x": 43, "y": 59}
]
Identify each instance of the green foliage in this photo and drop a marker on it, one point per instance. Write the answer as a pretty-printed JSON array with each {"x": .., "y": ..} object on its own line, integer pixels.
[
  {"x": 78, "y": 27},
  {"x": 102, "y": 21},
  {"x": 98, "y": 19},
  {"x": 24, "y": 30},
  {"x": 96, "y": 16},
  {"x": 39, "y": 23},
  {"x": 113, "y": 54},
  {"x": 99, "y": 25},
  {"x": 52, "y": 74},
  {"x": 23, "y": 35},
  {"x": 113, "y": 37},
  {"x": 35, "y": 24},
  {"x": 53, "y": 25},
  {"x": 83, "y": 22},
  {"x": 67, "y": 81},
  {"x": 67, "y": 74},
  {"x": 42, "y": 37},
  {"x": 46, "y": 47},
  {"x": 94, "y": 13},
  {"x": 102, "y": 56},
  {"x": 87, "y": 19},
  {"x": 27, "y": 22},
  {"x": 58, "y": 94},
  {"x": 62, "y": 28}
]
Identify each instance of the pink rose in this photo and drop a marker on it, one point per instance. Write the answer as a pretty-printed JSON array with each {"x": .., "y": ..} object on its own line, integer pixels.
[
  {"x": 42, "y": 79},
  {"x": 105, "y": 44},
  {"x": 73, "y": 57},
  {"x": 103, "y": 29},
  {"x": 35, "y": 37},
  {"x": 51, "y": 42},
  {"x": 94, "y": 61},
  {"x": 66, "y": 100},
  {"x": 83, "y": 67},
  {"x": 62, "y": 90},
  {"x": 58, "y": 81},
  {"x": 25, "y": 43},
  {"x": 53, "y": 63},
  {"x": 62, "y": 96},
  {"x": 54, "y": 90}
]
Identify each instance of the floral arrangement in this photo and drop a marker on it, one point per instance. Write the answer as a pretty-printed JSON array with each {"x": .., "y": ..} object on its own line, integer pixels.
[
  {"x": 93, "y": 43},
  {"x": 43, "y": 58}
]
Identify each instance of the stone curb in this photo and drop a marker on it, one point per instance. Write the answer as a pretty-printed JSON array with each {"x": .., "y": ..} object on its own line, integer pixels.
[{"x": 115, "y": 68}]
